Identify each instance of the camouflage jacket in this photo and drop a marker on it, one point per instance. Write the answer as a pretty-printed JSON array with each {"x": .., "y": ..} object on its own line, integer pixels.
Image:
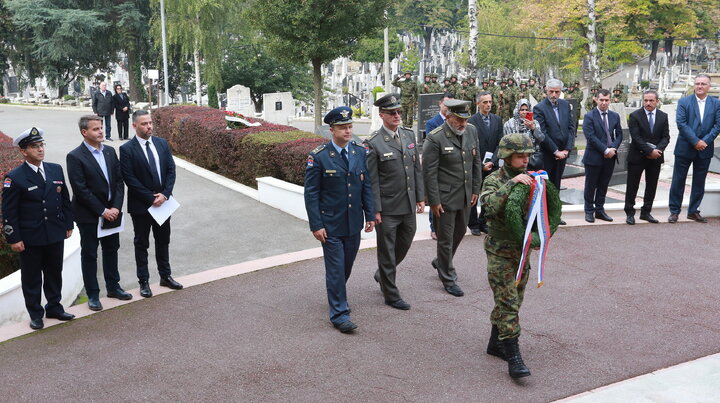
[
  {"x": 495, "y": 190},
  {"x": 435, "y": 88},
  {"x": 408, "y": 89}
]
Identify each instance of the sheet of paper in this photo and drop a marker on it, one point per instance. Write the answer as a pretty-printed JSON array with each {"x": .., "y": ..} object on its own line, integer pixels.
[
  {"x": 105, "y": 232},
  {"x": 164, "y": 211},
  {"x": 488, "y": 156}
]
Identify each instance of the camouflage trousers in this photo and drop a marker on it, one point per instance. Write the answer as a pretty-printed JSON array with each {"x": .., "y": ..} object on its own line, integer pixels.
[
  {"x": 503, "y": 260},
  {"x": 408, "y": 112}
]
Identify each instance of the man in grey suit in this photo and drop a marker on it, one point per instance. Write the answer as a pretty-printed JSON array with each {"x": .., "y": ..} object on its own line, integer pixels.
[
  {"x": 394, "y": 165},
  {"x": 452, "y": 170}
]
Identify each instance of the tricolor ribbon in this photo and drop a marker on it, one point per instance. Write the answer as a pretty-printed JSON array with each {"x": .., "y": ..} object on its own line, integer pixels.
[{"x": 537, "y": 212}]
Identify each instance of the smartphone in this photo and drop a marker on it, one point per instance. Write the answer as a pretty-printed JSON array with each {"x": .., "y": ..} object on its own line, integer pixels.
[{"x": 529, "y": 116}]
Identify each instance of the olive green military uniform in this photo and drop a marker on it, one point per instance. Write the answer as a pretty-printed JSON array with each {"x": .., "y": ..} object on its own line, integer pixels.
[
  {"x": 502, "y": 99},
  {"x": 435, "y": 87},
  {"x": 454, "y": 87},
  {"x": 536, "y": 92},
  {"x": 394, "y": 166},
  {"x": 425, "y": 86},
  {"x": 408, "y": 97}
]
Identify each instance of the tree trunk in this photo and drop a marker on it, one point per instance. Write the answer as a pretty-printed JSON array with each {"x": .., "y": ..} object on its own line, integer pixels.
[
  {"x": 592, "y": 45},
  {"x": 472, "y": 41},
  {"x": 132, "y": 88},
  {"x": 426, "y": 52},
  {"x": 669, "y": 47},
  {"x": 654, "y": 45},
  {"x": 196, "y": 61},
  {"x": 317, "y": 84}
]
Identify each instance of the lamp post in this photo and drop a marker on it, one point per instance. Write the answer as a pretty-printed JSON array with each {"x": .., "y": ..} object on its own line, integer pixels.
[{"x": 165, "y": 58}]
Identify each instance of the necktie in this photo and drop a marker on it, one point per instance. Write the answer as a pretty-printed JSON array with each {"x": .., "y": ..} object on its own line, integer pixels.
[
  {"x": 556, "y": 109},
  {"x": 343, "y": 154},
  {"x": 41, "y": 177},
  {"x": 651, "y": 121},
  {"x": 607, "y": 130},
  {"x": 396, "y": 137},
  {"x": 487, "y": 121},
  {"x": 153, "y": 169}
]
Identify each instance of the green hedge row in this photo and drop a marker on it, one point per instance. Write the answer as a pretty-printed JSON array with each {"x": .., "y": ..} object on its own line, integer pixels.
[
  {"x": 10, "y": 158},
  {"x": 199, "y": 135}
]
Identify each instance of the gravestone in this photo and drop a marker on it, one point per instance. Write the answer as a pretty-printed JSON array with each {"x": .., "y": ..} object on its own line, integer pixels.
[
  {"x": 278, "y": 107},
  {"x": 375, "y": 114},
  {"x": 238, "y": 100},
  {"x": 428, "y": 108},
  {"x": 619, "y": 175}
]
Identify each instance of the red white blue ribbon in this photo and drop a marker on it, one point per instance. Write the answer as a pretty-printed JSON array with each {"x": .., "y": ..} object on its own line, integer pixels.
[{"x": 537, "y": 212}]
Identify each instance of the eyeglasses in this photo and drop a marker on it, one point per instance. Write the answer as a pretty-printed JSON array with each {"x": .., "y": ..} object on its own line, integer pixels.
[
  {"x": 392, "y": 113},
  {"x": 37, "y": 146}
]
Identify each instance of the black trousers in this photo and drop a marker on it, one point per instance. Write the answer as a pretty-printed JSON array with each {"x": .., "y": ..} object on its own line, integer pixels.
[
  {"x": 597, "y": 179},
  {"x": 652, "y": 173},
  {"x": 142, "y": 224},
  {"x": 41, "y": 268},
  {"x": 123, "y": 126},
  {"x": 554, "y": 168},
  {"x": 88, "y": 259}
]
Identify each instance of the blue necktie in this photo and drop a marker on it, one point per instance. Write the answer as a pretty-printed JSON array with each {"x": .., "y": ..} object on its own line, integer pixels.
[
  {"x": 651, "y": 121},
  {"x": 487, "y": 121},
  {"x": 153, "y": 169}
]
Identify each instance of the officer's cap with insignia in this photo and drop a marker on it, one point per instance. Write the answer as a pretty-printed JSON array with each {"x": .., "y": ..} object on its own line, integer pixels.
[
  {"x": 458, "y": 108},
  {"x": 29, "y": 136},
  {"x": 341, "y": 115},
  {"x": 389, "y": 102}
]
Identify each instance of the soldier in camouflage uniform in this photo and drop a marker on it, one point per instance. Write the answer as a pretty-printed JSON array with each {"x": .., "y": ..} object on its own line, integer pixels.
[
  {"x": 467, "y": 94},
  {"x": 408, "y": 97},
  {"x": 454, "y": 87},
  {"x": 435, "y": 86},
  {"x": 591, "y": 100},
  {"x": 578, "y": 94},
  {"x": 536, "y": 90},
  {"x": 523, "y": 91},
  {"x": 618, "y": 94},
  {"x": 504, "y": 252},
  {"x": 502, "y": 98},
  {"x": 425, "y": 87}
]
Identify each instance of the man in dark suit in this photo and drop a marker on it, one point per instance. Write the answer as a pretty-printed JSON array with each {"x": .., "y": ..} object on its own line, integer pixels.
[
  {"x": 698, "y": 121},
  {"x": 121, "y": 102},
  {"x": 602, "y": 130},
  {"x": 98, "y": 191},
  {"x": 102, "y": 105},
  {"x": 489, "y": 129},
  {"x": 452, "y": 170},
  {"x": 38, "y": 218},
  {"x": 393, "y": 161},
  {"x": 338, "y": 194},
  {"x": 556, "y": 122},
  {"x": 650, "y": 133},
  {"x": 148, "y": 170}
]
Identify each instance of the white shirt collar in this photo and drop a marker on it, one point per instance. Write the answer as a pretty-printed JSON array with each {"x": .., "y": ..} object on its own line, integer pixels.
[
  {"x": 394, "y": 133},
  {"x": 34, "y": 168},
  {"x": 700, "y": 100}
]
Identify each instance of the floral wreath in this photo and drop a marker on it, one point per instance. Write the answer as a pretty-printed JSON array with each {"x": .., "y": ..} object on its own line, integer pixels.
[{"x": 516, "y": 210}]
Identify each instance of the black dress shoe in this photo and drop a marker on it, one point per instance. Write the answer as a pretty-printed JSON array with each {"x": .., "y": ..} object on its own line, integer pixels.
[
  {"x": 475, "y": 231},
  {"x": 119, "y": 294},
  {"x": 399, "y": 304},
  {"x": 673, "y": 218},
  {"x": 36, "y": 324},
  {"x": 630, "y": 220},
  {"x": 345, "y": 327},
  {"x": 696, "y": 217},
  {"x": 484, "y": 228},
  {"x": 455, "y": 290},
  {"x": 170, "y": 283},
  {"x": 562, "y": 222},
  {"x": 647, "y": 217},
  {"x": 589, "y": 217},
  {"x": 61, "y": 316},
  {"x": 94, "y": 304},
  {"x": 145, "y": 290},
  {"x": 602, "y": 216}
]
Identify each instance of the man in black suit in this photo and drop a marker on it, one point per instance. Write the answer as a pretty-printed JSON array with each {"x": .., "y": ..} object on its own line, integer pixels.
[
  {"x": 121, "y": 102},
  {"x": 490, "y": 130},
  {"x": 98, "y": 191},
  {"x": 602, "y": 130},
  {"x": 650, "y": 133},
  {"x": 149, "y": 173},
  {"x": 37, "y": 220},
  {"x": 102, "y": 105}
]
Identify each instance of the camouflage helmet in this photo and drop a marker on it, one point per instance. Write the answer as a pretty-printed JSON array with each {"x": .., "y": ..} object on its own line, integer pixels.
[{"x": 515, "y": 143}]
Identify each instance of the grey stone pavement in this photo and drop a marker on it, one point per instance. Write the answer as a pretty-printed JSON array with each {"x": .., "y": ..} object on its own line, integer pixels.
[{"x": 214, "y": 226}]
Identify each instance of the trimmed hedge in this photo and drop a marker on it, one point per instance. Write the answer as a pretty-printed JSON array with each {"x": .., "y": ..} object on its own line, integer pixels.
[
  {"x": 199, "y": 135},
  {"x": 9, "y": 159}
]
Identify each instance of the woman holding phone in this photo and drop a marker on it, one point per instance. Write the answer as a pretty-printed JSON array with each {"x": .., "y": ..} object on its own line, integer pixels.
[{"x": 523, "y": 122}]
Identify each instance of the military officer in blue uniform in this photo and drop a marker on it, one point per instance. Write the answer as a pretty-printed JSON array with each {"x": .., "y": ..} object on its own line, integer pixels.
[
  {"x": 338, "y": 200},
  {"x": 37, "y": 220}
]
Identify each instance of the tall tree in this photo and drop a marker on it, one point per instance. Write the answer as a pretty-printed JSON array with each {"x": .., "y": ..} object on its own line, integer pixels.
[
  {"x": 318, "y": 31},
  {"x": 592, "y": 45},
  {"x": 131, "y": 19},
  {"x": 472, "y": 37}
]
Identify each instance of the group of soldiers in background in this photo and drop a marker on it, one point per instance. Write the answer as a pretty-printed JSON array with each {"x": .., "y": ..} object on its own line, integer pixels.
[{"x": 505, "y": 94}]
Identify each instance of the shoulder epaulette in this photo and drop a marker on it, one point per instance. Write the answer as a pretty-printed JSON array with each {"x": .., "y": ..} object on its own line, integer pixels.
[
  {"x": 372, "y": 135},
  {"x": 318, "y": 149},
  {"x": 436, "y": 130}
]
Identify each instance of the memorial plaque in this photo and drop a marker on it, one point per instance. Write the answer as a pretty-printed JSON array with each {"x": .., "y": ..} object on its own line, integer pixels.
[{"x": 428, "y": 108}]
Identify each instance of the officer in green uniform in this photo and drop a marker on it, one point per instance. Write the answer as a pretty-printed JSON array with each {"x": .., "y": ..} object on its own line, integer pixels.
[
  {"x": 435, "y": 86},
  {"x": 408, "y": 97},
  {"x": 452, "y": 170},
  {"x": 504, "y": 252},
  {"x": 393, "y": 161}
]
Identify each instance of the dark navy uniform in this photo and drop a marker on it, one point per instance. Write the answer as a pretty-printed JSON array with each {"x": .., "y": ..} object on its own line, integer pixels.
[
  {"x": 38, "y": 213},
  {"x": 338, "y": 197}
]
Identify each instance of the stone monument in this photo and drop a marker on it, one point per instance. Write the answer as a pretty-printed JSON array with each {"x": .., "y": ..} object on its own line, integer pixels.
[
  {"x": 238, "y": 100},
  {"x": 278, "y": 107}
]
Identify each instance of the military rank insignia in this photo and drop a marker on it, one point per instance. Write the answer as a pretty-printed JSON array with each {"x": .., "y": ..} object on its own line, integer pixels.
[{"x": 7, "y": 183}]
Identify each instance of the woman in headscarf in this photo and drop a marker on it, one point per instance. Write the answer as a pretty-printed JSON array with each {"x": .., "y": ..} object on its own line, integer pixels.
[{"x": 520, "y": 124}]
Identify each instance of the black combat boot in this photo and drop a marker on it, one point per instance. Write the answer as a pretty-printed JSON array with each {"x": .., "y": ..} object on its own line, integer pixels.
[
  {"x": 495, "y": 346},
  {"x": 516, "y": 366}
]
